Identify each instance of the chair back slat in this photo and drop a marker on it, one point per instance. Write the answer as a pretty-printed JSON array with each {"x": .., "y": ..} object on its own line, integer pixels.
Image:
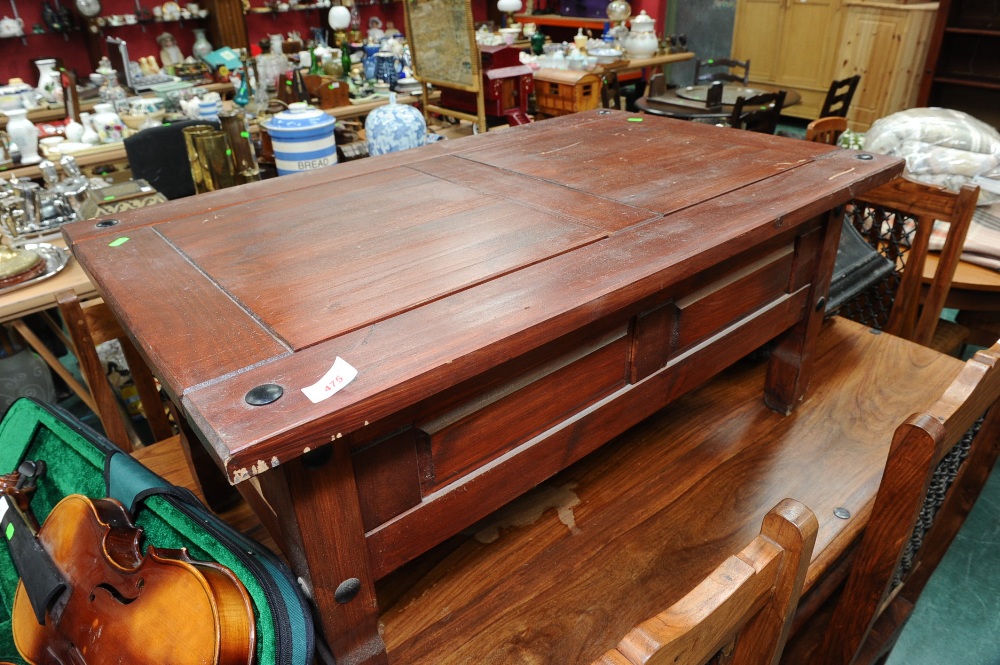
[
  {"x": 919, "y": 445},
  {"x": 721, "y": 69},
  {"x": 839, "y": 96},
  {"x": 758, "y": 113},
  {"x": 897, "y": 219},
  {"x": 826, "y": 129},
  {"x": 752, "y": 595},
  {"x": 92, "y": 323}
]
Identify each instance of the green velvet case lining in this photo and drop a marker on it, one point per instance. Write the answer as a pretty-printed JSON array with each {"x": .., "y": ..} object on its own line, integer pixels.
[{"x": 75, "y": 466}]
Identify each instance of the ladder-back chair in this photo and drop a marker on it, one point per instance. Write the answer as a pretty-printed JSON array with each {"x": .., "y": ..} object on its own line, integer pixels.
[
  {"x": 721, "y": 69},
  {"x": 897, "y": 219},
  {"x": 758, "y": 113},
  {"x": 753, "y": 594},
  {"x": 938, "y": 462},
  {"x": 89, "y": 324},
  {"x": 839, "y": 96}
]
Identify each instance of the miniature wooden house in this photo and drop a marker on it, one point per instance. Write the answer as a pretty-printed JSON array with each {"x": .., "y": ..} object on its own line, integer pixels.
[{"x": 563, "y": 91}]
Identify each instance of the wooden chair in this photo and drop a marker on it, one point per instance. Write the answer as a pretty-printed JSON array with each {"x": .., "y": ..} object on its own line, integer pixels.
[
  {"x": 753, "y": 594},
  {"x": 722, "y": 69},
  {"x": 897, "y": 219},
  {"x": 826, "y": 130},
  {"x": 89, "y": 324},
  {"x": 839, "y": 96},
  {"x": 759, "y": 113},
  {"x": 926, "y": 492}
]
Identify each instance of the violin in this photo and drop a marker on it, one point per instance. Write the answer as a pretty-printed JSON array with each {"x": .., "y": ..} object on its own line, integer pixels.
[{"x": 88, "y": 596}]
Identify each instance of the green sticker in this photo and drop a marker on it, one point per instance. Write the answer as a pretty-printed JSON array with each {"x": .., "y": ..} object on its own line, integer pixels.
[
  {"x": 245, "y": 135},
  {"x": 109, "y": 198},
  {"x": 635, "y": 119},
  {"x": 10, "y": 531},
  {"x": 228, "y": 152},
  {"x": 118, "y": 242}
]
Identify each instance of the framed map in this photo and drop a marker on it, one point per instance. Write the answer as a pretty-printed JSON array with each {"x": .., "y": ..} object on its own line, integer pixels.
[{"x": 443, "y": 43}]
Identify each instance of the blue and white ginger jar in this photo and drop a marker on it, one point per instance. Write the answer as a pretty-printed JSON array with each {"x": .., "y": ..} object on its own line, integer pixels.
[
  {"x": 394, "y": 127},
  {"x": 302, "y": 138}
]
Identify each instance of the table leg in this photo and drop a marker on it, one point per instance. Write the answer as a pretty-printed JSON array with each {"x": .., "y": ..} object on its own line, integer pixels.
[
  {"x": 315, "y": 500},
  {"x": 792, "y": 359},
  {"x": 32, "y": 340}
]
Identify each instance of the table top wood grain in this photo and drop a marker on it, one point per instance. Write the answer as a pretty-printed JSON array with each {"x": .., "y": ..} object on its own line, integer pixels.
[{"x": 428, "y": 267}]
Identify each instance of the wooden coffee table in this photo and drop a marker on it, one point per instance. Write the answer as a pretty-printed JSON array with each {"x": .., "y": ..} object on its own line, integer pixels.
[{"x": 510, "y": 302}]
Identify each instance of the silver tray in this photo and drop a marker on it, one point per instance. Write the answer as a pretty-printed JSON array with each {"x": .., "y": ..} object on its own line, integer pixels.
[
  {"x": 55, "y": 259},
  {"x": 730, "y": 93}
]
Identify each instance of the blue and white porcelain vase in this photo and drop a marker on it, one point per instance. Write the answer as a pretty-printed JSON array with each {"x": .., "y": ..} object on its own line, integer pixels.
[
  {"x": 302, "y": 138},
  {"x": 394, "y": 127},
  {"x": 385, "y": 68}
]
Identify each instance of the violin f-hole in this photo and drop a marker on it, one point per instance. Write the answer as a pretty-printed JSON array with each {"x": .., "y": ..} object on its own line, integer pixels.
[{"x": 117, "y": 595}]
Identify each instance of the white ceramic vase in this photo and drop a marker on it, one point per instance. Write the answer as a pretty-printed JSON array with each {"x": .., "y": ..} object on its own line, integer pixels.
[
  {"x": 73, "y": 131},
  {"x": 202, "y": 46},
  {"x": 89, "y": 135},
  {"x": 23, "y": 133},
  {"x": 107, "y": 124},
  {"x": 49, "y": 86}
]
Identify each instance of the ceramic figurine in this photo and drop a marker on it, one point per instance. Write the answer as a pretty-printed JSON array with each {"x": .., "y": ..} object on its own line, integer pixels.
[{"x": 170, "y": 53}]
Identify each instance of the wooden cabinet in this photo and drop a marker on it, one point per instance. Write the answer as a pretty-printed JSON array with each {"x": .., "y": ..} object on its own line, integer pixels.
[
  {"x": 791, "y": 43},
  {"x": 962, "y": 69},
  {"x": 886, "y": 44},
  {"x": 807, "y": 44}
]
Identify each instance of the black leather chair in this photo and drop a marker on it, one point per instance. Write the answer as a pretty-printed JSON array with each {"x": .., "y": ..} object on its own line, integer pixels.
[{"x": 159, "y": 156}]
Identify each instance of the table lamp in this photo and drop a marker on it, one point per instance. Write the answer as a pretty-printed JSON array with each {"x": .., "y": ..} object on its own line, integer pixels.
[
  {"x": 510, "y": 7},
  {"x": 339, "y": 19},
  {"x": 618, "y": 12}
]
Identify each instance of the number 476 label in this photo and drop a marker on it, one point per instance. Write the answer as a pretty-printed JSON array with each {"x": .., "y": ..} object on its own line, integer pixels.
[{"x": 332, "y": 382}]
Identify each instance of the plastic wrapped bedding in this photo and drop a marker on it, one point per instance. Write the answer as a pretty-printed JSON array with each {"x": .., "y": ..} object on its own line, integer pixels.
[{"x": 941, "y": 147}]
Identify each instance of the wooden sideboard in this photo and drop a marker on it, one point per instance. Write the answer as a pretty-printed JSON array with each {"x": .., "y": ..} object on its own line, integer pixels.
[
  {"x": 510, "y": 302},
  {"x": 807, "y": 44}
]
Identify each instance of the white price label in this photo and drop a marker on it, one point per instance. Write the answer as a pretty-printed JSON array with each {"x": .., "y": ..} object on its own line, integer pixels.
[{"x": 332, "y": 382}]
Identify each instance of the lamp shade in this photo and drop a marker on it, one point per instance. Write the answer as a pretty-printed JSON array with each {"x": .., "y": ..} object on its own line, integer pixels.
[
  {"x": 340, "y": 17},
  {"x": 619, "y": 10},
  {"x": 509, "y": 5}
]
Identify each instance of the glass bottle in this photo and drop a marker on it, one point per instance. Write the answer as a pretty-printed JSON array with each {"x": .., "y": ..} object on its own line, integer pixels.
[
  {"x": 315, "y": 68},
  {"x": 242, "y": 96},
  {"x": 345, "y": 58}
]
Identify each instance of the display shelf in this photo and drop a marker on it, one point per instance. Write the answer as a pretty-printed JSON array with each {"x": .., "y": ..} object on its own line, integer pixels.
[
  {"x": 962, "y": 70},
  {"x": 555, "y": 21}
]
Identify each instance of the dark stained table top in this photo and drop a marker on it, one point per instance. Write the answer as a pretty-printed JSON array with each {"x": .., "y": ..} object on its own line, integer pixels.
[
  {"x": 428, "y": 267},
  {"x": 687, "y": 103}
]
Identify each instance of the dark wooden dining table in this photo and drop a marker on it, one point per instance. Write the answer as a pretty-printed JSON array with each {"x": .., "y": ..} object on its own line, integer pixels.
[
  {"x": 382, "y": 352},
  {"x": 688, "y": 102}
]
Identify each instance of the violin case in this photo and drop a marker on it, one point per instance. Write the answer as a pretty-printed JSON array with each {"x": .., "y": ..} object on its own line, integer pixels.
[{"x": 81, "y": 461}]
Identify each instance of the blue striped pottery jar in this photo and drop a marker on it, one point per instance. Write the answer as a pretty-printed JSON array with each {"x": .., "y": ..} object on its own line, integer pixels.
[{"x": 302, "y": 138}]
